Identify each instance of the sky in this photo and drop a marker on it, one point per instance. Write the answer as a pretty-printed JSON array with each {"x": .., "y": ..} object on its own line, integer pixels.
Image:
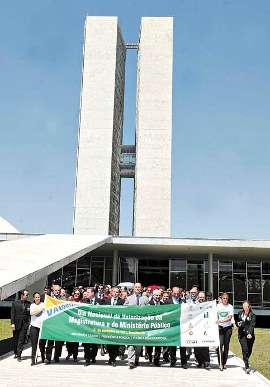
[{"x": 221, "y": 114}]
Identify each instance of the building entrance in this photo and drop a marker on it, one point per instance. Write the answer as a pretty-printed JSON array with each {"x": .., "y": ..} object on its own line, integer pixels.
[{"x": 153, "y": 272}]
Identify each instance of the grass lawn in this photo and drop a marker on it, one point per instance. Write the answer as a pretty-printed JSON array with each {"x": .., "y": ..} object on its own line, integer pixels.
[
  {"x": 260, "y": 357},
  {"x": 5, "y": 329}
]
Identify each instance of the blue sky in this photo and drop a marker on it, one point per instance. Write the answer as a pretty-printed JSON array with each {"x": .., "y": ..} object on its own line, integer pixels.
[{"x": 221, "y": 115}]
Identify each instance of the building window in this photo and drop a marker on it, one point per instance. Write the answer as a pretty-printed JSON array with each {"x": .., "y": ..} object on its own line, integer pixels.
[
  {"x": 240, "y": 288},
  {"x": 225, "y": 277}
]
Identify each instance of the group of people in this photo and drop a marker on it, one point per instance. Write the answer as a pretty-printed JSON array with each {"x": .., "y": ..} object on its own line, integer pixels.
[{"x": 26, "y": 317}]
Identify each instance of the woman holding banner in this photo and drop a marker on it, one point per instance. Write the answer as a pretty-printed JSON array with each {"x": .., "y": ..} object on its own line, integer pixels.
[
  {"x": 246, "y": 323},
  {"x": 225, "y": 318},
  {"x": 36, "y": 313}
]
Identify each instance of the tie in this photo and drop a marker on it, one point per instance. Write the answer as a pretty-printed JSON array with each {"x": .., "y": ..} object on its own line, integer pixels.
[{"x": 138, "y": 299}]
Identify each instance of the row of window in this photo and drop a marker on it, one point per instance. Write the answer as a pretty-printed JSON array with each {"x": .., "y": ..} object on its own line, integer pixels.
[{"x": 242, "y": 280}]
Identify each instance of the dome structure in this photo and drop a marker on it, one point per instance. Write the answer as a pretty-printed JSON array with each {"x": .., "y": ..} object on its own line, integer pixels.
[{"x": 6, "y": 227}]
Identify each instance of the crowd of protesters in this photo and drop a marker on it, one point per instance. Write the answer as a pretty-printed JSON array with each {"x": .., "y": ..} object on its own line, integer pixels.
[{"x": 26, "y": 318}]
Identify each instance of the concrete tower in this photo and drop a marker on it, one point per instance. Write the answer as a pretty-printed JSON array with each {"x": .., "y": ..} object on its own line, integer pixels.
[
  {"x": 97, "y": 196},
  {"x": 102, "y": 158}
]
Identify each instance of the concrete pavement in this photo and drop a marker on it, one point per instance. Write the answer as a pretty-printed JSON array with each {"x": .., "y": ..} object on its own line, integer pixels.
[{"x": 67, "y": 374}]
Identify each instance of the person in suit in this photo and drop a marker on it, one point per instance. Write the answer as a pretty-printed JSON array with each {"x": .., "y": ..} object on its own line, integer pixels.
[
  {"x": 202, "y": 353},
  {"x": 177, "y": 299},
  {"x": 73, "y": 347},
  {"x": 166, "y": 299},
  {"x": 58, "y": 345},
  {"x": 113, "y": 350},
  {"x": 20, "y": 320},
  {"x": 91, "y": 349},
  {"x": 155, "y": 301},
  {"x": 135, "y": 299},
  {"x": 246, "y": 323}
]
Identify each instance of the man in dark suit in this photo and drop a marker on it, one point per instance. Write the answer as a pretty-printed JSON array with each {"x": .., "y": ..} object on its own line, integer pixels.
[
  {"x": 155, "y": 300},
  {"x": 91, "y": 349},
  {"x": 202, "y": 353},
  {"x": 20, "y": 320},
  {"x": 176, "y": 299},
  {"x": 113, "y": 350},
  {"x": 55, "y": 293}
]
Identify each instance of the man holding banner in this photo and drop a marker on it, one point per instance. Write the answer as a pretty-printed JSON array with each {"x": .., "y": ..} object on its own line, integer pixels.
[
  {"x": 113, "y": 350},
  {"x": 135, "y": 299}
]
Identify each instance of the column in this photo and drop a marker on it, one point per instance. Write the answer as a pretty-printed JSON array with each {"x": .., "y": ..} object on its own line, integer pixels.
[
  {"x": 210, "y": 272},
  {"x": 115, "y": 267}
]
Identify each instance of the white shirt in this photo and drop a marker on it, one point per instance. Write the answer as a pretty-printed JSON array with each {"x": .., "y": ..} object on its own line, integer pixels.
[
  {"x": 224, "y": 311},
  {"x": 36, "y": 319}
]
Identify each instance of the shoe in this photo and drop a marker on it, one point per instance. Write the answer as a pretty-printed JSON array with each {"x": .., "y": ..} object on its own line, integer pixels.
[
  {"x": 131, "y": 366},
  {"x": 15, "y": 356},
  {"x": 199, "y": 365},
  {"x": 172, "y": 365},
  {"x": 207, "y": 366},
  {"x": 146, "y": 356},
  {"x": 224, "y": 367},
  {"x": 156, "y": 364},
  {"x": 56, "y": 360},
  {"x": 68, "y": 357},
  {"x": 136, "y": 363},
  {"x": 33, "y": 362},
  {"x": 185, "y": 366},
  {"x": 19, "y": 359},
  {"x": 150, "y": 359},
  {"x": 75, "y": 359},
  {"x": 42, "y": 359},
  {"x": 46, "y": 361},
  {"x": 110, "y": 362},
  {"x": 93, "y": 361},
  {"x": 114, "y": 363},
  {"x": 248, "y": 370},
  {"x": 87, "y": 363}
]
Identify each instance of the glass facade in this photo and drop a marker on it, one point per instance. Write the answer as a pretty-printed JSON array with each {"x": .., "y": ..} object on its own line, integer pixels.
[{"x": 241, "y": 278}]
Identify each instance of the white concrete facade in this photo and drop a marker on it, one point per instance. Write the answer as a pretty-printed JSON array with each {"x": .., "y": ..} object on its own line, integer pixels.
[
  {"x": 152, "y": 198},
  {"x": 97, "y": 125}
]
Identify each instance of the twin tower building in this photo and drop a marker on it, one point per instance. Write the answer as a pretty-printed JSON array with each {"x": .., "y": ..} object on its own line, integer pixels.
[{"x": 102, "y": 159}]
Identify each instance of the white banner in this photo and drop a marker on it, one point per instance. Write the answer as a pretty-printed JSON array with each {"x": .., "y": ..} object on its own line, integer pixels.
[{"x": 198, "y": 324}]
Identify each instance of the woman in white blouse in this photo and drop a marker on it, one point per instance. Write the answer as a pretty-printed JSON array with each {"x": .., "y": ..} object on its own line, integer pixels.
[{"x": 36, "y": 312}]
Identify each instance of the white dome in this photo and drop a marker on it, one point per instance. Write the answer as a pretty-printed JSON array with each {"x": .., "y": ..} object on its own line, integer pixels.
[{"x": 6, "y": 227}]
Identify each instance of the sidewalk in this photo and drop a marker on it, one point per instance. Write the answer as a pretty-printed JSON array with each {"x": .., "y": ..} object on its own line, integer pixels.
[{"x": 69, "y": 374}]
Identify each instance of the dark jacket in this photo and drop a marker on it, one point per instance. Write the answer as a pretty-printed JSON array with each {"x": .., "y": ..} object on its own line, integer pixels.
[
  {"x": 246, "y": 326},
  {"x": 120, "y": 301},
  {"x": 152, "y": 302},
  {"x": 170, "y": 301},
  {"x": 20, "y": 313}
]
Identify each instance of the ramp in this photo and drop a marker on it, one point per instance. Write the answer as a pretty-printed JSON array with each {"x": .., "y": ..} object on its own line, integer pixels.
[{"x": 26, "y": 261}]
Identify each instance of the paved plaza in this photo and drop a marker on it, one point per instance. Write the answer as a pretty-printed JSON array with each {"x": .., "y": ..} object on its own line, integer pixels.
[{"x": 67, "y": 374}]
